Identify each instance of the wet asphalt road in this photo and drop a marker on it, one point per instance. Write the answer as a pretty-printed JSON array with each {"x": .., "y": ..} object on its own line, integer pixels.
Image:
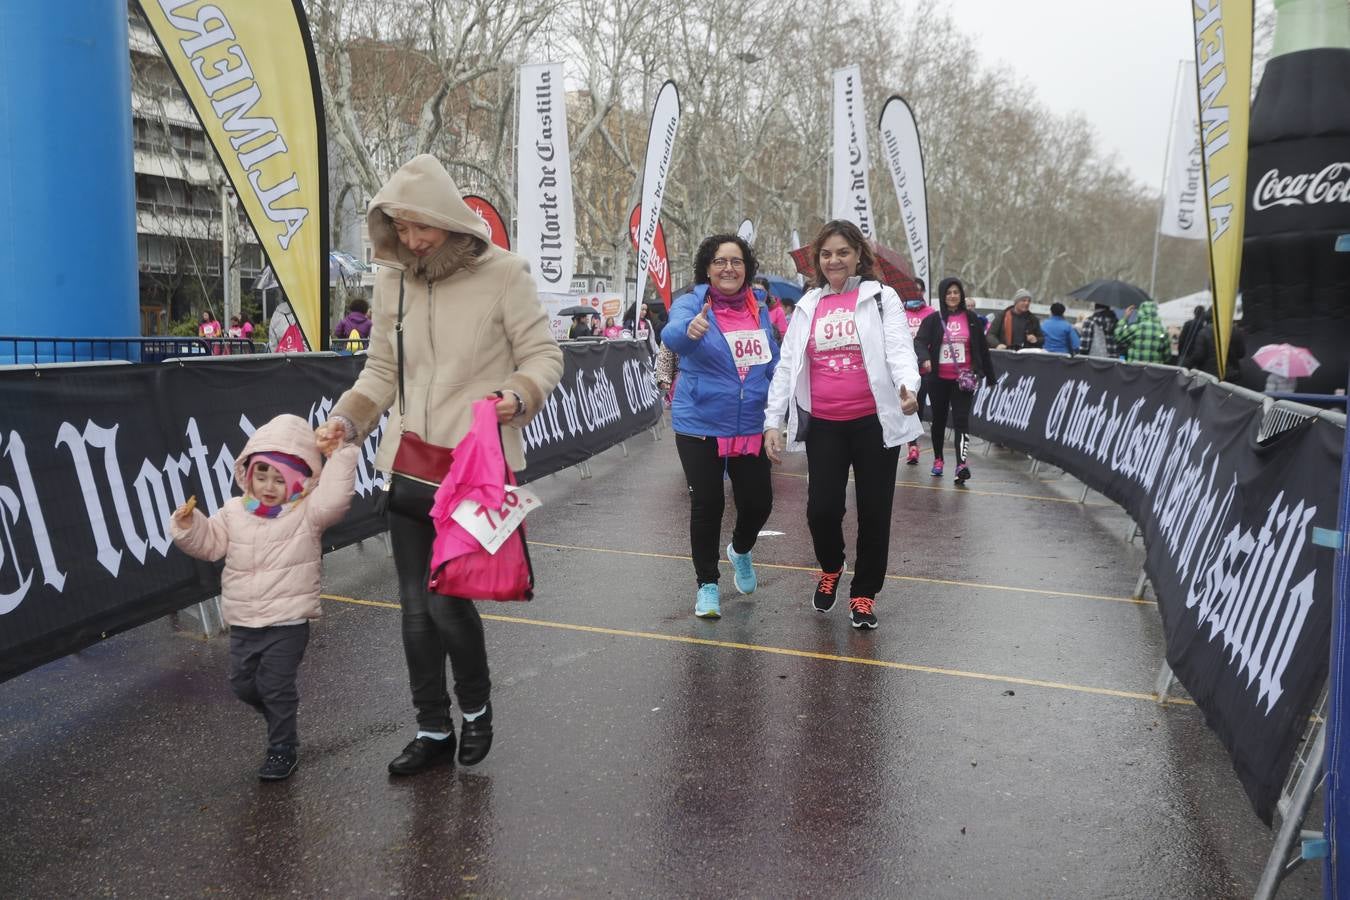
[{"x": 994, "y": 738}]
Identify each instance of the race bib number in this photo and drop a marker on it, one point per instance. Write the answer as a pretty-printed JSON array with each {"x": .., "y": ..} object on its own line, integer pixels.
[
  {"x": 835, "y": 331},
  {"x": 491, "y": 527},
  {"x": 749, "y": 348},
  {"x": 947, "y": 356}
]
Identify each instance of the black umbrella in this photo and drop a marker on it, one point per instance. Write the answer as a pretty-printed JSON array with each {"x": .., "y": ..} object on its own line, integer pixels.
[
  {"x": 1116, "y": 294},
  {"x": 579, "y": 311}
]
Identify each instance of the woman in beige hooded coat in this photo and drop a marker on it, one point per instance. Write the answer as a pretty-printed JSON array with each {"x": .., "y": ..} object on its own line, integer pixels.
[{"x": 472, "y": 326}]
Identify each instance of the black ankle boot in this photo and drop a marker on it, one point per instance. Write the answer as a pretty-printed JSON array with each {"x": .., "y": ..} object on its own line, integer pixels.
[
  {"x": 475, "y": 738},
  {"x": 422, "y": 754}
]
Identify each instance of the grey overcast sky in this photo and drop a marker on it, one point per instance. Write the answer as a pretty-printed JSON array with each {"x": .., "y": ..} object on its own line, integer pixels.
[{"x": 1114, "y": 61}]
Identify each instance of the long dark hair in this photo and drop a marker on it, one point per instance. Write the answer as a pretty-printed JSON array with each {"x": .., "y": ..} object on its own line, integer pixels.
[
  {"x": 707, "y": 251},
  {"x": 942, "y": 296},
  {"x": 867, "y": 261}
]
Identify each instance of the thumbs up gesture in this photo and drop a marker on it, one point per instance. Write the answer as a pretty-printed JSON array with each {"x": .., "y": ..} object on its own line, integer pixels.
[
  {"x": 698, "y": 326},
  {"x": 909, "y": 404}
]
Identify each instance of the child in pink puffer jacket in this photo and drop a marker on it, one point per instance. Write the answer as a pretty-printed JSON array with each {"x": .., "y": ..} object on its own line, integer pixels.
[{"x": 269, "y": 591}]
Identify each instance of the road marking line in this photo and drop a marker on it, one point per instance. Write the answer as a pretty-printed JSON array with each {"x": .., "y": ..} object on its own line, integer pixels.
[
  {"x": 973, "y": 492},
  {"x": 799, "y": 654},
  {"x": 914, "y": 578}
]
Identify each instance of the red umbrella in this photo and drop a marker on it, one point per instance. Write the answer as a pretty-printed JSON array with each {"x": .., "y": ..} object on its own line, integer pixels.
[{"x": 893, "y": 269}]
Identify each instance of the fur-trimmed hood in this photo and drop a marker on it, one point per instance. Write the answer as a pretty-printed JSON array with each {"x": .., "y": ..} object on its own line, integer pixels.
[{"x": 421, "y": 191}]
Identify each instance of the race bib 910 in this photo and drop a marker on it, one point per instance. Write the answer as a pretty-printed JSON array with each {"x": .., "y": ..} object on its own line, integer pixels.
[
  {"x": 491, "y": 527},
  {"x": 749, "y": 348},
  {"x": 835, "y": 330}
]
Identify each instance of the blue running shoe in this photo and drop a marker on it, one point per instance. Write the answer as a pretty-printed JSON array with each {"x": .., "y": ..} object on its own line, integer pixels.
[
  {"x": 746, "y": 580},
  {"x": 709, "y": 604}
]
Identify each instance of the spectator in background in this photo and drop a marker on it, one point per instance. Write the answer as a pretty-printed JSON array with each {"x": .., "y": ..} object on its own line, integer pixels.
[
  {"x": 209, "y": 327},
  {"x": 580, "y": 328},
  {"x": 283, "y": 317},
  {"x": 1060, "y": 336},
  {"x": 1202, "y": 354},
  {"x": 776, "y": 315},
  {"x": 246, "y": 327},
  {"x": 612, "y": 329},
  {"x": 236, "y": 329},
  {"x": 1018, "y": 328},
  {"x": 1190, "y": 331},
  {"x": 595, "y": 326},
  {"x": 357, "y": 319},
  {"x": 1143, "y": 337},
  {"x": 1099, "y": 333}
]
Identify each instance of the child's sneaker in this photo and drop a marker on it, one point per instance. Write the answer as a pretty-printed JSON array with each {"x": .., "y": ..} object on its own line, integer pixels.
[
  {"x": 744, "y": 568},
  {"x": 708, "y": 604},
  {"x": 937, "y": 468},
  {"x": 913, "y": 458},
  {"x": 862, "y": 613},
  {"x": 825, "y": 588},
  {"x": 279, "y": 764},
  {"x": 962, "y": 473}
]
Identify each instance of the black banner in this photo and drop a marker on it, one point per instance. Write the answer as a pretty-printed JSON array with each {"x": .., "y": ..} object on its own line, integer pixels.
[
  {"x": 1245, "y": 595},
  {"x": 607, "y": 395},
  {"x": 93, "y": 460}
]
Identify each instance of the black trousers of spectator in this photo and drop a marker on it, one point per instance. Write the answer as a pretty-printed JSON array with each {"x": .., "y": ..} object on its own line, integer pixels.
[
  {"x": 943, "y": 394},
  {"x": 832, "y": 448},
  {"x": 434, "y": 627},
  {"x": 264, "y": 663},
  {"x": 751, "y": 487}
]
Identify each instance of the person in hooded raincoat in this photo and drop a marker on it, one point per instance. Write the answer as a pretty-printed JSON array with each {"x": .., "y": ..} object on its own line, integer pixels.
[{"x": 472, "y": 326}]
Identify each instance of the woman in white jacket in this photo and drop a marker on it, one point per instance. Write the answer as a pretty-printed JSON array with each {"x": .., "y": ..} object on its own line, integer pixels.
[{"x": 847, "y": 383}]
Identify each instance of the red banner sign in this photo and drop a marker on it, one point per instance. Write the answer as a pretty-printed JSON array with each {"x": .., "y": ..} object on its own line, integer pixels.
[
  {"x": 488, "y": 213},
  {"x": 659, "y": 267}
]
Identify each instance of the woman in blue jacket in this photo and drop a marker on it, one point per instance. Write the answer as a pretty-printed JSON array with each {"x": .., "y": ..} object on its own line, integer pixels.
[{"x": 724, "y": 339}]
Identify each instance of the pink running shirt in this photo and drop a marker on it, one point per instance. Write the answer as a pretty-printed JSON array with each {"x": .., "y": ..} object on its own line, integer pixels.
[
  {"x": 839, "y": 386},
  {"x": 955, "y": 353}
]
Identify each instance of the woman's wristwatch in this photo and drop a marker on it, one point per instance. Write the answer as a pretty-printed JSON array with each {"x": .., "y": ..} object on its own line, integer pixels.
[{"x": 520, "y": 403}]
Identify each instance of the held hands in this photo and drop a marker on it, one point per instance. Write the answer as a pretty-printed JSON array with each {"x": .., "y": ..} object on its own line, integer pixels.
[
  {"x": 909, "y": 404},
  {"x": 182, "y": 516},
  {"x": 330, "y": 436},
  {"x": 1033, "y": 339},
  {"x": 926, "y": 367},
  {"x": 773, "y": 445},
  {"x": 698, "y": 326}
]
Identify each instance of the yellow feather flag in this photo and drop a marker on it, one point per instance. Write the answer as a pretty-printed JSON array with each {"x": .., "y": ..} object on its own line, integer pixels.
[
  {"x": 250, "y": 75},
  {"x": 1223, "y": 60}
]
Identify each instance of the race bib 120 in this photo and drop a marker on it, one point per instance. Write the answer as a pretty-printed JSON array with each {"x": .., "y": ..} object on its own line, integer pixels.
[
  {"x": 491, "y": 527},
  {"x": 749, "y": 348}
]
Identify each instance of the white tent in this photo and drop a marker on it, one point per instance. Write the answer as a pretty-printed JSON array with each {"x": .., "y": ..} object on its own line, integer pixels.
[{"x": 1180, "y": 310}]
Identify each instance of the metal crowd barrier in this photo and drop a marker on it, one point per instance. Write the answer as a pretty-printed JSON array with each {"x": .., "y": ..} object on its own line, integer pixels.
[{"x": 43, "y": 350}]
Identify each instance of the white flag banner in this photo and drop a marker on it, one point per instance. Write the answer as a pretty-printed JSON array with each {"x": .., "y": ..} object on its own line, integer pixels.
[
  {"x": 746, "y": 232},
  {"x": 851, "y": 199},
  {"x": 1183, "y": 196},
  {"x": 546, "y": 231},
  {"x": 904, "y": 157},
  {"x": 660, "y": 148}
]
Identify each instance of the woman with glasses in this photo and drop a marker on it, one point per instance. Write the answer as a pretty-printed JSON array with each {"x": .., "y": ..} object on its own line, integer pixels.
[
  {"x": 848, "y": 386},
  {"x": 724, "y": 339}
]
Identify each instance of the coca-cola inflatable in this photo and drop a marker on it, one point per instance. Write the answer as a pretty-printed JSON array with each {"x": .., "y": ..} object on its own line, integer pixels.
[{"x": 1295, "y": 286}]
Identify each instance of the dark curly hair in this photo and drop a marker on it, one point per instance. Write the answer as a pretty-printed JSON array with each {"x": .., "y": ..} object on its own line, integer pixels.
[
  {"x": 707, "y": 251},
  {"x": 851, "y": 233}
]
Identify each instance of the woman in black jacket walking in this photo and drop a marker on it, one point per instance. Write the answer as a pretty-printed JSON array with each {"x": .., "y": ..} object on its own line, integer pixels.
[{"x": 952, "y": 344}]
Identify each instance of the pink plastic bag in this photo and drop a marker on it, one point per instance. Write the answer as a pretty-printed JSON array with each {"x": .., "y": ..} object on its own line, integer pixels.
[{"x": 460, "y": 565}]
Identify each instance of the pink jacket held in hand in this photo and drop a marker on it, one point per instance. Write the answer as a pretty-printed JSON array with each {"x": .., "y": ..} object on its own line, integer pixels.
[{"x": 272, "y": 566}]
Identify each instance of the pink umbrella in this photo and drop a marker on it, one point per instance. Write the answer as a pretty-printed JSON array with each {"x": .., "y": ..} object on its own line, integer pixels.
[{"x": 1286, "y": 360}]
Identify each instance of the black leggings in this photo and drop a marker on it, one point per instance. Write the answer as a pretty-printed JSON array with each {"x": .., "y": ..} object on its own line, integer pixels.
[
  {"x": 434, "y": 627},
  {"x": 941, "y": 394},
  {"x": 832, "y": 448},
  {"x": 751, "y": 486}
]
